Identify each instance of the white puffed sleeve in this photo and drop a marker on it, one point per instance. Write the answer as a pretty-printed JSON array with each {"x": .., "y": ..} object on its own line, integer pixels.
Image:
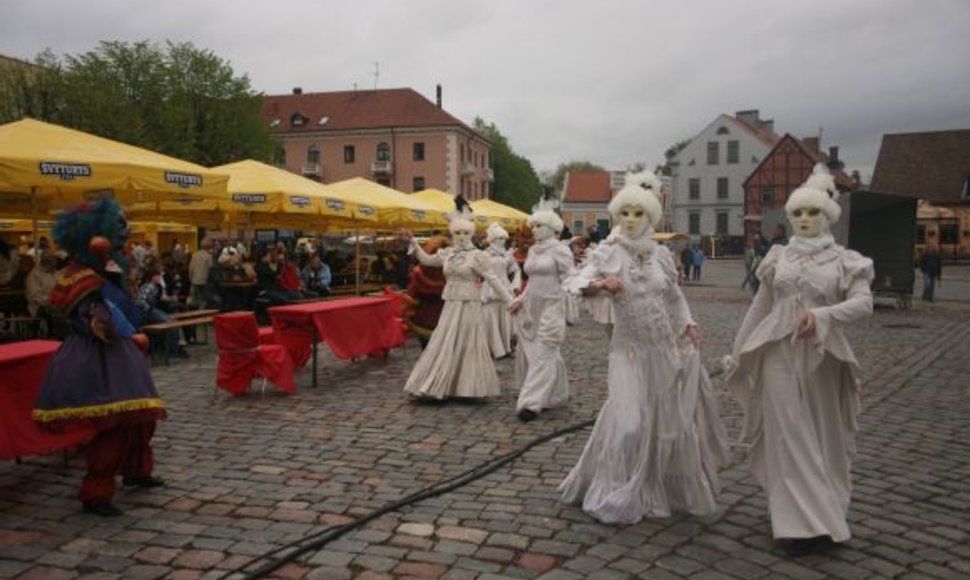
[
  {"x": 676, "y": 302},
  {"x": 600, "y": 263},
  {"x": 480, "y": 264},
  {"x": 855, "y": 282}
]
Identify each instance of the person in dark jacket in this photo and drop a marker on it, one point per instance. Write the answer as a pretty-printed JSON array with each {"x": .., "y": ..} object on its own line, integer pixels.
[{"x": 932, "y": 267}]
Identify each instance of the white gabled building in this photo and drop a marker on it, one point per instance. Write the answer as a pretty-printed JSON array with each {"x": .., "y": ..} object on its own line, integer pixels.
[{"x": 707, "y": 196}]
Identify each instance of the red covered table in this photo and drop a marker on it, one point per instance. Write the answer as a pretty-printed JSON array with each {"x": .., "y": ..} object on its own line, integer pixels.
[
  {"x": 22, "y": 367},
  {"x": 351, "y": 327}
]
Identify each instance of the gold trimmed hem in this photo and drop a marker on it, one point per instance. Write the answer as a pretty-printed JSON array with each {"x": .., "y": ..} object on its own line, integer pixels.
[{"x": 49, "y": 416}]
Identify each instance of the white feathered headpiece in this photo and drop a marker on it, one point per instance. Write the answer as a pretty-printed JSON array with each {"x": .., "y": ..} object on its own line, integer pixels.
[
  {"x": 495, "y": 232},
  {"x": 818, "y": 191},
  {"x": 640, "y": 189},
  {"x": 545, "y": 214},
  {"x": 461, "y": 218}
]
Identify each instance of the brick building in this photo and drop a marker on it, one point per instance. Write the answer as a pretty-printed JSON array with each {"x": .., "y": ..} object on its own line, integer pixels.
[
  {"x": 784, "y": 168},
  {"x": 395, "y": 137}
]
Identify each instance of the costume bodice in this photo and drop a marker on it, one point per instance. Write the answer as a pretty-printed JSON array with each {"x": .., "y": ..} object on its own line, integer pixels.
[
  {"x": 548, "y": 264},
  {"x": 463, "y": 269}
]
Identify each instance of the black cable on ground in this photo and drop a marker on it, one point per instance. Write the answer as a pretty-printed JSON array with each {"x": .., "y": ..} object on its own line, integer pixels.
[{"x": 327, "y": 535}]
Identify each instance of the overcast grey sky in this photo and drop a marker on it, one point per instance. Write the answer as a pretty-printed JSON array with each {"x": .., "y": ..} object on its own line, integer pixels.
[{"x": 611, "y": 81}]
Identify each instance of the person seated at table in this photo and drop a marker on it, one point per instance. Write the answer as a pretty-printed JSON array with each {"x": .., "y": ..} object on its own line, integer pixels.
[
  {"x": 153, "y": 304},
  {"x": 98, "y": 378},
  {"x": 291, "y": 280},
  {"x": 269, "y": 271},
  {"x": 40, "y": 282},
  {"x": 316, "y": 277}
]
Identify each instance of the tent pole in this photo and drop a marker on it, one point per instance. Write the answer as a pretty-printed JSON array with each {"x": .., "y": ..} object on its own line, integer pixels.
[
  {"x": 33, "y": 221},
  {"x": 357, "y": 262}
]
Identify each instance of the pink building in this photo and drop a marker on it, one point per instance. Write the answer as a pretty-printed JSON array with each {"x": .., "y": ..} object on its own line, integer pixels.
[{"x": 395, "y": 137}]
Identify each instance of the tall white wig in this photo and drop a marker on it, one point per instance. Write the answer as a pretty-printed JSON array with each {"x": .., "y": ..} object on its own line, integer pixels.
[
  {"x": 643, "y": 190},
  {"x": 545, "y": 214},
  {"x": 818, "y": 191},
  {"x": 495, "y": 232}
]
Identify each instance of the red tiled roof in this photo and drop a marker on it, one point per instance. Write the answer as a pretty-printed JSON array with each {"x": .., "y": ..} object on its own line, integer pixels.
[
  {"x": 588, "y": 187},
  {"x": 934, "y": 165},
  {"x": 767, "y": 137},
  {"x": 360, "y": 109}
]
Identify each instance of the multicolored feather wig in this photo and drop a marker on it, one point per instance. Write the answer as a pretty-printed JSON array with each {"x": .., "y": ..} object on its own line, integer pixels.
[{"x": 76, "y": 227}]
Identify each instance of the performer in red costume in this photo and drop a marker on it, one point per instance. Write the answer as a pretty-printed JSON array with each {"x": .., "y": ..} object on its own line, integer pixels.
[
  {"x": 99, "y": 376},
  {"x": 425, "y": 285}
]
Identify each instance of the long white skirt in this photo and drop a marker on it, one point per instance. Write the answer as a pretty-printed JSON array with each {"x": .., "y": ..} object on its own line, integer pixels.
[
  {"x": 804, "y": 455},
  {"x": 657, "y": 443},
  {"x": 539, "y": 367},
  {"x": 457, "y": 361},
  {"x": 498, "y": 327}
]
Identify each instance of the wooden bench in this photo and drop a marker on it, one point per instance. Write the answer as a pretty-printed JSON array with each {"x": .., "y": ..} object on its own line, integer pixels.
[
  {"x": 23, "y": 327},
  {"x": 159, "y": 328},
  {"x": 194, "y": 313}
]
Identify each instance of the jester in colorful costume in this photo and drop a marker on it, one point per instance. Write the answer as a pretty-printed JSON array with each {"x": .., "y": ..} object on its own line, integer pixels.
[
  {"x": 425, "y": 285},
  {"x": 99, "y": 377}
]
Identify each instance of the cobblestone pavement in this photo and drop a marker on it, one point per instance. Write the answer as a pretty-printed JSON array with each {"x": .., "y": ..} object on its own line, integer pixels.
[{"x": 249, "y": 475}]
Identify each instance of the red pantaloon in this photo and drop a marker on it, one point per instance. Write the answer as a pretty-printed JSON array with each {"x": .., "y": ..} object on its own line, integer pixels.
[{"x": 124, "y": 450}]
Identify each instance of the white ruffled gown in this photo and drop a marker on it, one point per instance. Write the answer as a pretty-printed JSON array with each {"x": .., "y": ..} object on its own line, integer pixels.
[
  {"x": 658, "y": 441},
  {"x": 800, "y": 395},
  {"x": 541, "y": 328},
  {"x": 457, "y": 361},
  {"x": 498, "y": 320}
]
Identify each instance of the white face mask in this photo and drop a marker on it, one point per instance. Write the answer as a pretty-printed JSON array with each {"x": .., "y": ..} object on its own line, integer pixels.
[
  {"x": 498, "y": 243},
  {"x": 633, "y": 220},
  {"x": 808, "y": 222},
  {"x": 461, "y": 238},
  {"x": 541, "y": 232}
]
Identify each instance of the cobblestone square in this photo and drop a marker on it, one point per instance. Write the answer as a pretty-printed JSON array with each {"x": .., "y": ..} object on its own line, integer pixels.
[{"x": 255, "y": 474}]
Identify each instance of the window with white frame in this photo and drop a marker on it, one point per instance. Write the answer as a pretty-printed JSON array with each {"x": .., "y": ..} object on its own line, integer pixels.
[
  {"x": 694, "y": 188},
  {"x": 733, "y": 152},
  {"x": 694, "y": 223},
  {"x": 713, "y": 152},
  {"x": 722, "y": 187}
]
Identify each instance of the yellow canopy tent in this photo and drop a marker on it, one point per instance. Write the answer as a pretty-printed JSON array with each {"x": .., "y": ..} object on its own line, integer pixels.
[
  {"x": 669, "y": 237},
  {"x": 11, "y": 228},
  {"x": 487, "y": 211},
  {"x": 261, "y": 195},
  {"x": 46, "y": 167},
  {"x": 392, "y": 208}
]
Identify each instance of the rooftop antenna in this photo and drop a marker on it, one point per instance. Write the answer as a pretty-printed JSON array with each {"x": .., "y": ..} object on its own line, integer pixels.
[{"x": 377, "y": 73}]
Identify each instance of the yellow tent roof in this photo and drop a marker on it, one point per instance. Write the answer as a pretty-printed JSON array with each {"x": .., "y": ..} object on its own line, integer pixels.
[
  {"x": 62, "y": 167},
  {"x": 441, "y": 200},
  {"x": 392, "y": 208},
  {"x": 25, "y": 225},
  {"x": 487, "y": 211},
  {"x": 266, "y": 196}
]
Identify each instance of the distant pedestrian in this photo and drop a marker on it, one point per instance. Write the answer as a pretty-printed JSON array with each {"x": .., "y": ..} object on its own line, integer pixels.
[
  {"x": 687, "y": 261},
  {"x": 932, "y": 267},
  {"x": 698, "y": 260}
]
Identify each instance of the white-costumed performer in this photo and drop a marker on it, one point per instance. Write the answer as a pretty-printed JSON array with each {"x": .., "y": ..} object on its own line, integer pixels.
[
  {"x": 795, "y": 375},
  {"x": 540, "y": 317},
  {"x": 498, "y": 320},
  {"x": 457, "y": 361},
  {"x": 658, "y": 441}
]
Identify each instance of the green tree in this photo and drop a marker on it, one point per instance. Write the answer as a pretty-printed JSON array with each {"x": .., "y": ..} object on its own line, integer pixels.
[
  {"x": 669, "y": 155},
  {"x": 516, "y": 182},
  {"x": 558, "y": 177},
  {"x": 175, "y": 99}
]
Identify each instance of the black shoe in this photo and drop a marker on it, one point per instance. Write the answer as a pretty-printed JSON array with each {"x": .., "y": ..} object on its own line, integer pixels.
[
  {"x": 105, "y": 509},
  {"x": 144, "y": 481},
  {"x": 526, "y": 415},
  {"x": 804, "y": 546}
]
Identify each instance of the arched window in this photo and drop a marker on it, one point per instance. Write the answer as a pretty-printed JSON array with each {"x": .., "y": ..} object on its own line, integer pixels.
[
  {"x": 383, "y": 152},
  {"x": 723, "y": 131},
  {"x": 313, "y": 154}
]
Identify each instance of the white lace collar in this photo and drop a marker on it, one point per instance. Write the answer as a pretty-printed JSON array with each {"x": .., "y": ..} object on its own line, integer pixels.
[
  {"x": 544, "y": 245},
  {"x": 638, "y": 246},
  {"x": 820, "y": 248}
]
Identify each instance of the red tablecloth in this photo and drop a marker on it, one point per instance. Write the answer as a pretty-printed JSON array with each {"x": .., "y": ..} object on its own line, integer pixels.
[
  {"x": 22, "y": 367},
  {"x": 351, "y": 327}
]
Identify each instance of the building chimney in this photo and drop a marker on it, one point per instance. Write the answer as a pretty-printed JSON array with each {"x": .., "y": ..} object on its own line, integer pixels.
[
  {"x": 749, "y": 118},
  {"x": 297, "y": 90},
  {"x": 811, "y": 143},
  {"x": 768, "y": 125},
  {"x": 438, "y": 95},
  {"x": 834, "y": 161}
]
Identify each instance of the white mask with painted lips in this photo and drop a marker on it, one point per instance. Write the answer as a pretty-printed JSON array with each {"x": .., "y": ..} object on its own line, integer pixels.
[
  {"x": 542, "y": 232},
  {"x": 808, "y": 222},
  {"x": 633, "y": 220},
  {"x": 462, "y": 238}
]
